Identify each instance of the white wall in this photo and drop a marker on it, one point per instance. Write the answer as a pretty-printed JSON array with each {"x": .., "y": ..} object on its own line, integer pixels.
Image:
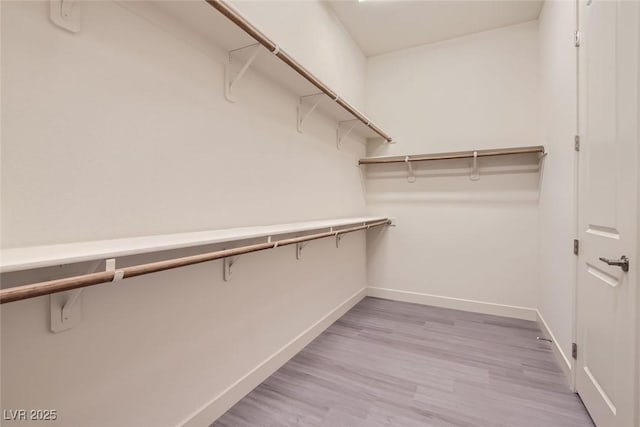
[
  {"x": 202, "y": 156},
  {"x": 557, "y": 114},
  {"x": 457, "y": 238},
  {"x": 123, "y": 130}
]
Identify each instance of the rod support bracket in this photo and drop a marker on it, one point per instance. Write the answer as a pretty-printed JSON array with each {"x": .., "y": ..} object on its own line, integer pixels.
[
  {"x": 306, "y": 105},
  {"x": 541, "y": 159},
  {"x": 65, "y": 307},
  {"x": 65, "y": 14},
  {"x": 230, "y": 80},
  {"x": 110, "y": 265},
  {"x": 65, "y": 310},
  {"x": 475, "y": 174},
  {"x": 338, "y": 238},
  {"x": 299, "y": 247},
  {"x": 227, "y": 263},
  {"x": 344, "y": 129},
  {"x": 410, "y": 176}
]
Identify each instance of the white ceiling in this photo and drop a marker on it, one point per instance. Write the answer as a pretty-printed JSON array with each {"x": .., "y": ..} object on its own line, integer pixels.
[{"x": 380, "y": 26}]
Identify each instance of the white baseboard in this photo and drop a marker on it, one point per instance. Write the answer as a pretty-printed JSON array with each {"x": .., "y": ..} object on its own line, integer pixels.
[
  {"x": 514, "y": 311},
  {"x": 217, "y": 406},
  {"x": 563, "y": 360}
]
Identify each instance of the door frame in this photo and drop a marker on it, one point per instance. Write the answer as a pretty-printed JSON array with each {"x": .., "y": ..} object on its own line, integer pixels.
[{"x": 576, "y": 204}]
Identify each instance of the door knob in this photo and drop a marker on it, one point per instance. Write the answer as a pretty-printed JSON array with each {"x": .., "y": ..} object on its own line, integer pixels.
[{"x": 623, "y": 262}]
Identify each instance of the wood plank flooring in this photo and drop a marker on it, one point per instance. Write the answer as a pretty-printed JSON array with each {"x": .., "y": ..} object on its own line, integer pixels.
[{"x": 388, "y": 363}]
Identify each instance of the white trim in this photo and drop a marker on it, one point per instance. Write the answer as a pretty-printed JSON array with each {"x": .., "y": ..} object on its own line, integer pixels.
[
  {"x": 561, "y": 357},
  {"x": 514, "y": 311},
  {"x": 221, "y": 403}
]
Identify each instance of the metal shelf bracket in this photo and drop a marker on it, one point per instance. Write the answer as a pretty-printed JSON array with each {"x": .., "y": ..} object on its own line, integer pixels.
[
  {"x": 227, "y": 263},
  {"x": 65, "y": 14},
  {"x": 541, "y": 158},
  {"x": 344, "y": 129},
  {"x": 306, "y": 108},
  {"x": 299, "y": 247},
  {"x": 65, "y": 308},
  {"x": 475, "y": 174},
  {"x": 410, "y": 176},
  {"x": 231, "y": 80},
  {"x": 338, "y": 238}
]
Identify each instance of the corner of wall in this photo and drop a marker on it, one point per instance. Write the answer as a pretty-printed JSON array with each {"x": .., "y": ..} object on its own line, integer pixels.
[
  {"x": 222, "y": 402},
  {"x": 564, "y": 362}
]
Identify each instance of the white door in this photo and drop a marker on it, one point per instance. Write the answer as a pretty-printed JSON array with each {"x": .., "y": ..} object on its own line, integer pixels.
[{"x": 608, "y": 209}]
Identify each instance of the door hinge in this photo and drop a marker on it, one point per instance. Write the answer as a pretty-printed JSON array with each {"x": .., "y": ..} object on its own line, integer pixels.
[
  {"x": 577, "y": 38},
  {"x": 576, "y": 246},
  {"x": 574, "y": 350},
  {"x": 576, "y": 143}
]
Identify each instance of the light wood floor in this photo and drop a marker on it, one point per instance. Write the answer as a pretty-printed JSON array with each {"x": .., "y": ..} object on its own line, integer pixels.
[{"x": 387, "y": 363}]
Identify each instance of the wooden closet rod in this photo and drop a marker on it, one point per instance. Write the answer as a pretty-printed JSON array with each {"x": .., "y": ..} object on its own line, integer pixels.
[
  {"x": 224, "y": 8},
  {"x": 454, "y": 155},
  {"x": 18, "y": 293}
]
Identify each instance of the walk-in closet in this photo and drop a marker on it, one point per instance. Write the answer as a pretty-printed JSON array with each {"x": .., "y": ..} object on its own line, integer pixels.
[{"x": 323, "y": 213}]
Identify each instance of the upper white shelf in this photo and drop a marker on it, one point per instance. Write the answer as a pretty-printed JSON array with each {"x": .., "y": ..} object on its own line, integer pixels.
[
  {"x": 26, "y": 258},
  {"x": 221, "y": 24},
  {"x": 537, "y": 149},
  {"x": 529, "y": 154}
]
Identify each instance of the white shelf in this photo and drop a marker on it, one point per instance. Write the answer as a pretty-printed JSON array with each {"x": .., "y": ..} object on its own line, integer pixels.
[
  {"x": 215, "y": 28},
  {"x": 455, "y": 155},
  {"x": 18, "y": 259}
]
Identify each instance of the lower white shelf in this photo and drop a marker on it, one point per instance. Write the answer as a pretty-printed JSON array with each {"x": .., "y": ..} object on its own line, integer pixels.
[{"x": 27, "y": 258}]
